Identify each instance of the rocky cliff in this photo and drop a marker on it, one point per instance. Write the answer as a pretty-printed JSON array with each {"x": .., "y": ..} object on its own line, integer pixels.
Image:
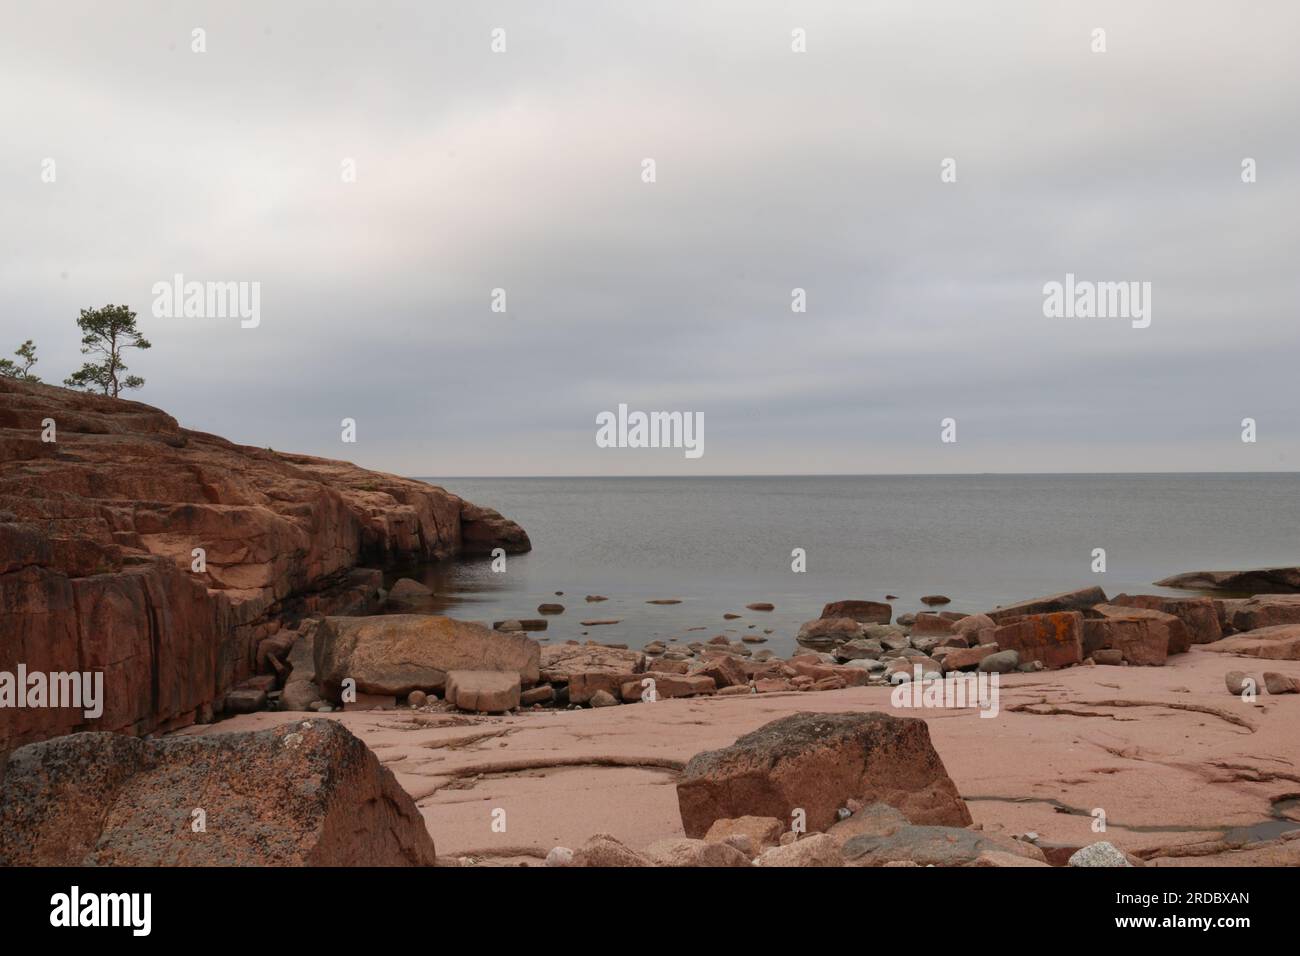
[{"x": 103, "y": 503}]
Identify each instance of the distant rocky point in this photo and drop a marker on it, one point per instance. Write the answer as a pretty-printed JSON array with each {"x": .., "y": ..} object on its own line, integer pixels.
[{"x": 1258, "y": 581}]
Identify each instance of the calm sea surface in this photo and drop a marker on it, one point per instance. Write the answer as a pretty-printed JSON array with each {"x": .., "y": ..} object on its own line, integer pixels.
[{"x": 720, "y": 543}]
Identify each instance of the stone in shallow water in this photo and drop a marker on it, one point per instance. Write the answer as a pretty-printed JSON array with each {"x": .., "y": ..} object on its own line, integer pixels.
[{"x": 828, "y": 632}]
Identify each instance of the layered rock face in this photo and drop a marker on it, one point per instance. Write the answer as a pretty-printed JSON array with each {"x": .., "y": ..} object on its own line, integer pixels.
[
  {"x": 98, "y": 571},
  {"x": 298, "y": 795}
]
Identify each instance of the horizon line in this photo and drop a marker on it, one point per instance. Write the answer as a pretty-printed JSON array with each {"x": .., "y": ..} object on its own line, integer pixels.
[{"x": 894, "y": 474}]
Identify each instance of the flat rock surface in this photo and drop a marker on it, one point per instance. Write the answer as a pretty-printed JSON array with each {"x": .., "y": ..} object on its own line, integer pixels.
[{"x": 1165, "y": 751}]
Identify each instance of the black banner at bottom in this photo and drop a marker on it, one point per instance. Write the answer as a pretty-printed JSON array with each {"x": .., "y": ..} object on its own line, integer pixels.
[{"x": 133, "y": 905}]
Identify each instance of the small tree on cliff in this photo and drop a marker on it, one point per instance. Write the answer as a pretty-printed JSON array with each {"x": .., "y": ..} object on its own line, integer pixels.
[
  {"x": 107, "y": 332},
  {"x": 11, "y": 369}
]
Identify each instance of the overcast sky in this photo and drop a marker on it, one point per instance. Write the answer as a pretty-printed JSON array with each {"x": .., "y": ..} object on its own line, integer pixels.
[{"x": 522, "y": 170}]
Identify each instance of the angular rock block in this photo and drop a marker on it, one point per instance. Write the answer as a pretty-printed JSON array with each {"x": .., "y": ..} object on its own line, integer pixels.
[
  {"x": 487, "y": 692},
  {"x": 818, "y": 762},
  {"x": 1055, "y": 639}
]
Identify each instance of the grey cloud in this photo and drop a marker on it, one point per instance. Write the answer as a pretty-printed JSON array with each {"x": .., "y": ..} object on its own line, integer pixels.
[{"x": 775, "y": 171}]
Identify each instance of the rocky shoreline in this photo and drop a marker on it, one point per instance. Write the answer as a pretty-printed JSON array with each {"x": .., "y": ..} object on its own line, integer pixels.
[
  {"x": 179, "y": 564},
  {"x": 236, "y": 595},
  {"x": 400, "y": 657}
]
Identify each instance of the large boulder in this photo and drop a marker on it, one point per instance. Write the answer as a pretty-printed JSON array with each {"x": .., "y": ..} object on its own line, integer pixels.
[
  {"x": 931, "y": 624},
  {"x": 1079, "y": 600},
  {"x": 967, "y": 658},
  {"x": 395, "y": 654},
  {"x": 1141, "y": 635},
  {"x": 817, "y": 763},
  {"x": 308, "y": 793},
  {"x": 975, "y": 628},
  {"x": 1176, "y": 637},
  {"x": 816, "y": 849},
  {"x": 408, "y": 595},
  {"x": 604, "y": 851},
  {"x": 1198, "y": 614},
  {"x": 1281, "y": 643},
  {"x": 933, "y": 846},
  {"x": 864, "y": 612},
  {"x": 487, "y": 692},
  {"x": 725, "y": 671},
  {"x": 665, "y": 686},
  {"x": 482, "y": 530},
  {"x": 826, "y": 633},
  {"x": 588, "y": 668},
  {"x": 1265, "y": 610},
  {"x": 680, "y": 851},
  {"x": 1055, "y": 639}
]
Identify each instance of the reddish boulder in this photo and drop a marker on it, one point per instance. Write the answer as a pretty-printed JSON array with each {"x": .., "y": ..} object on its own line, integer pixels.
[
  {"x": 588, "y": 668},
  {"x": 1281, "y": 643},
  {"x": 761, "y": 831},
  {"x": 408, "y": 595},
  {"x": 930, "y": 624},
  {"x": 1056, "y": 639},
  {"x": 967, "y": 658},
  {"x": 816, "y": 849},
  {"x": 308, "y": 793},
  {"x": 1079, "y": 600},
  {"x": 1265, "y": 610},
  {"x": 1198, "y": 614},
  {"x": 975, "y": 628},
  {"x": 817, "y": 763},
  {"x": 666, "y": 686},
  {"x": 1135, "y": 639},
  {"x": 1177, "y": 638},
  {"x": 1276, "y": 683},
  {"x": 397, "y": 653},
  {"x": 864, "y": 612},
  {"x": 487, "y": 692},
  {"x": 726, "y": 671}
]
